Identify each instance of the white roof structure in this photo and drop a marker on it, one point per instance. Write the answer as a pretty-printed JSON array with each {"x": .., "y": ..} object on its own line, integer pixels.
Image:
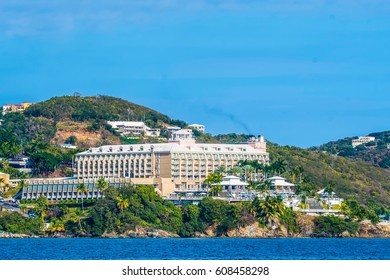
[
  {"x": 324, "y": 192},
  {"x": 278, "y": 181},
  {"x": 174, "y": 147},
  {"x": 115, "y": 124},
  {"x": 232, "y": 181}
]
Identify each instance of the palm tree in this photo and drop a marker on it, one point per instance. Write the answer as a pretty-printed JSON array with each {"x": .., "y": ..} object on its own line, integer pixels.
[
  {"x": 102, "y": 185},
  {"x": 23, "y": 184},
  {"x": 329, "y": 190},
  {"x": 270, "y": 210},
  {"x": 248, "y": 172},
  {"x": 279, "y": 166},
  {"x": 213, "y": 178},
  {"x": 122, "y": 202},
  {"x": 220, "y": 170},
  {"x": 235, "y": 171},
  {"x": 264, "y": 186},
  {"x": 267, "y": 169},
  {"x": 83, "y": 189},
  {"x": 216, "y": 189},
  {"x": 4, "y": 164},
  {"x": 294, "y": 174},
  {"x": 299, "y": 172},
  {"x": 305, "y": 191},
  {"x": 2, "y": 183}
]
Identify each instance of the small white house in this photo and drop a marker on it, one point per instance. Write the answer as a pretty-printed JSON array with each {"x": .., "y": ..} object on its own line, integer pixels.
[
  {"x": 332, "y": 198},
  {"x": 280, "y": 185},
  {"x": 232, "y": 185},
  {"x": 198, "y": 127}
]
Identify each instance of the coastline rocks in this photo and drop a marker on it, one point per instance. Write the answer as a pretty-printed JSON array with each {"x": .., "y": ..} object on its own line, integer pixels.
[
  {"x": 369, "y": 230},
  {"x": 306, "y": 225},
  {"x": 140, "y": 232},
  {"x": 16, "y": 235},
  {"x": 250, "y": 231}
]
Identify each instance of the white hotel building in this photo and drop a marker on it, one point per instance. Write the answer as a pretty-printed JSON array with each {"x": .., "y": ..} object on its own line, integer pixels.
[{"x": 178, "y": 165}]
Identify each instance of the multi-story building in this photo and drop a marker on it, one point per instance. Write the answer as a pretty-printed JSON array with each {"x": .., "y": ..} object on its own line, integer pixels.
[
  {"x": 13, "y": 108},
  {"x": 179, "y": 164},
  {"x": 362, "y": 140},
  {"x": 198, "y": 127},
  {"x": 134, "y": 128},
  {"x": 172, "y": 129}
]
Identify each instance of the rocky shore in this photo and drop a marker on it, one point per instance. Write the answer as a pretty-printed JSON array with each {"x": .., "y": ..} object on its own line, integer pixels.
[
  {"x": 16, "y": 235},
  {"x": 306, "y": 229}
]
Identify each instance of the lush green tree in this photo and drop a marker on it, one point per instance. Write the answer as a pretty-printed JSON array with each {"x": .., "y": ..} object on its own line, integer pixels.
[
  {"x": 220, "y": 170},
  {"x": 71, "y": 140},
  {"x": 212, "y": 210},
  {"x": 10, "y": 145},
  {"x": 102, "y": 185},
  {"x": 191, "y": 221},
  {"x": 41, "y": 206},
  {"x": 213, "y": 178},
  {"x": 264, "y": 186},
  {"x": 297, "y": 174},
  {"x": 16, "y": 223},
  {"x": 269, "y": 210},
  {"x": 44, "y": 162},
  {"x": 2, "y": 184},
  {"x": 82, "y": 188},
  {"x": 279, "y": 166},
  {"x": 122, "y": 202},
  {"x": 216, "y": 190},
  {"x": 235, "y": 171},
  {"x": 353, "y": 210},
  {"x": 249, "y": 172},
  {"x": 289, "y": 219},
  {"x": 330, "y": 226},
  {"x": 305, "y": 191}
]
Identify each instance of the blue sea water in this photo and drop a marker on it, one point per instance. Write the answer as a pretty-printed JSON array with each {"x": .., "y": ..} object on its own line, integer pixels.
[{"x": 194, "y": 249}]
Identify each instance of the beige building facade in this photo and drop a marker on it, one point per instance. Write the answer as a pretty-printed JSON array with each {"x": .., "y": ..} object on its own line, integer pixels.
[{"x": 180, "y": 164}]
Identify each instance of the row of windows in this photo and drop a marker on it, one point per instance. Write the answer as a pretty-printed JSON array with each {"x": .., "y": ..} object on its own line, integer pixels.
[
  {"x": 116, "y": 157},
  {"x": 216, "y": 156}
]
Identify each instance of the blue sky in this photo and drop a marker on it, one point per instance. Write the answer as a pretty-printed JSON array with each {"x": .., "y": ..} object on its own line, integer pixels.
[{"x": 300, "y": 72}]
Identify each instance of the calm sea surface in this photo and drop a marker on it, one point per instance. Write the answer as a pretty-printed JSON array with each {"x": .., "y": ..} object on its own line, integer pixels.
[{"x": 194, "y": 249}]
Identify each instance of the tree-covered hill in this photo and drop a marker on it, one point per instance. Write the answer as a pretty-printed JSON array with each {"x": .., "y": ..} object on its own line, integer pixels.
[
  {"x": 375, "y": 153},
  {"x": 352, "y": 178},
  {"x": 97, "y": 108},
  {"x": 79, "y": 119}
]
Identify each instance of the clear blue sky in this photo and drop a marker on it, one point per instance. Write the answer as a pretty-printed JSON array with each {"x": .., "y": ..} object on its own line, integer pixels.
[{"x": 300, "y": 72}]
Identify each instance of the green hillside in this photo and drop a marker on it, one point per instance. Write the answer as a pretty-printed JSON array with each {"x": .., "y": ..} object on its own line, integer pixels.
[
  {"x": 353, "y": 178},
  {"x": 375, "y": 153},
  {"x": 96, "y": 108},
  {"x": 68, "y": 119},
  {"x": 57, "y": 119}
]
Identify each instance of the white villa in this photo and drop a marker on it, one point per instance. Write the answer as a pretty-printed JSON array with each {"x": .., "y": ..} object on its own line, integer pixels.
[
  {"x": 281, "y": 186},
  {"x": 233, "y": 185},
  {"x": 362, "y": 140},
  {"x": 134, "y": 128},
  {"x": 172, "y": 129},
  {"x": 332, "y": 199},
  {"x": 198, "y": 127}
]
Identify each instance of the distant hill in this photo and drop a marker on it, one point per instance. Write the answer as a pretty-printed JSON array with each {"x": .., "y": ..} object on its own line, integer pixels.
[
  {"x": 353, "y": 178},
  {"x": 375, "y": 153},
  {"x": 85, "y": 118}
]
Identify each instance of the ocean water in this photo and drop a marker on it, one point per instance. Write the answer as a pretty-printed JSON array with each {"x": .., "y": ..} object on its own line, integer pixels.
[{"x": 195, "y": 249}]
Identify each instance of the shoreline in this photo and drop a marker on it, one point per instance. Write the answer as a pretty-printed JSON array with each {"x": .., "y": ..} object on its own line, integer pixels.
[{"x": 366, "y": 230}]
